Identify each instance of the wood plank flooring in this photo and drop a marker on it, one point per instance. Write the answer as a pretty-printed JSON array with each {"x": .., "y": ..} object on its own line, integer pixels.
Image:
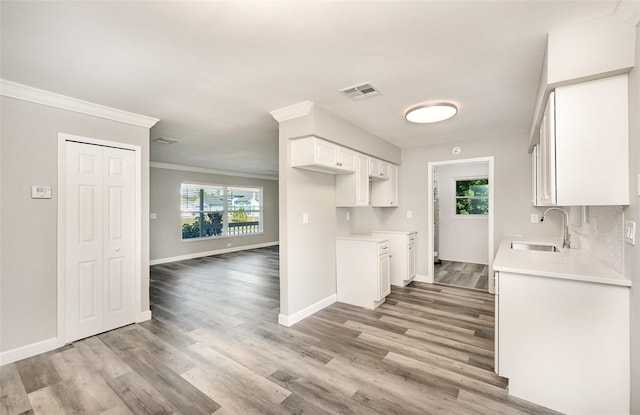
[
  {"x": 214, "y": 346},
  {"x": 462, "y": 274}
]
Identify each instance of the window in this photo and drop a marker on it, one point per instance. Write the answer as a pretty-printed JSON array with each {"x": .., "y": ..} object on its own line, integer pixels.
[
  {"x": 216, "y": 211},
  {"x": 472, "y": 196}
]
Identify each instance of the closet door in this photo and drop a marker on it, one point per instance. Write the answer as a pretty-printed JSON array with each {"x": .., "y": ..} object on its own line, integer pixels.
[{"x": 100, "y": 239}]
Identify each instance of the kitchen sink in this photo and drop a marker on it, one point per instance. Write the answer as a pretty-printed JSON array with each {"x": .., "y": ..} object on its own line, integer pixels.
[{"x": 525, "y": 246}]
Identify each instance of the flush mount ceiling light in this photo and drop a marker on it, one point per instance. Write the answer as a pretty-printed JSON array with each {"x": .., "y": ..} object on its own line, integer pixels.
[{"x": 431, "y": 112}]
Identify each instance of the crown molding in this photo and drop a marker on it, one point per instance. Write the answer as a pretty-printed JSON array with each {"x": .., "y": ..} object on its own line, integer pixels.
[
  {"x": 293, "y": 111},
  {"x": 180, "y": 167},
  {"x": 629, "y": 11},
  {"x": 39, "y": 96}
]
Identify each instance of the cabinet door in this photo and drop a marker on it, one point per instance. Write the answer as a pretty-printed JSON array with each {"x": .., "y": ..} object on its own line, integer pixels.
[
  {"x": 362, "y": 180},
  {"x": 326, "y": 153},
  {"x": 411, "y": 262},
  {"x": 384, "y": 193},
  {"x": 592, "y": 142},
  {"x": 548, "y": 155},
  {"x": 535, "y": 176},
  {"x": 384, "y": 275},
  {"x": 346, "y": 159}
]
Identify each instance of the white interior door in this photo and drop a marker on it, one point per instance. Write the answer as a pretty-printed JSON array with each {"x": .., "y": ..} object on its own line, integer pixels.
[{"x": 100, "y": 239}]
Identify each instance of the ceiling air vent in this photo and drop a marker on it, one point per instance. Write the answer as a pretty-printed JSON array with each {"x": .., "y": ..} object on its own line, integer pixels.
[
  {"x": 361, "y": 91},
  {"x": 165, "y": 140}
]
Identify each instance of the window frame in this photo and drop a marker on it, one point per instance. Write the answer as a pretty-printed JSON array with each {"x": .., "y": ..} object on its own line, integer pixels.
[
  {"x": 226, "y": 213},
  {"x": 454, "y": 184}
]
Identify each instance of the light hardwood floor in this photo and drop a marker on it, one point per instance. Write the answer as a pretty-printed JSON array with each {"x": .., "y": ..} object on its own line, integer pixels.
[
  {"x": 462, "y": 274},
  {"x": 214, "y": 346}
]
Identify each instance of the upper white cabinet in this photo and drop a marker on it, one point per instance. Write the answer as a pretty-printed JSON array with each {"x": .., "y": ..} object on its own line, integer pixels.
[
  {"x": 583, "y": 157},
  {"x": 378, "y": 169},
  {"x": 313, "y": 153},
  {"x": 353, "y": 189},
  {"x": 384, "y": 193}
]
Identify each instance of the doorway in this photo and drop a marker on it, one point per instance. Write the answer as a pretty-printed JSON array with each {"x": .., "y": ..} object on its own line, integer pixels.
[
  {"x": 460, "y": 208},
  {"x": 99, "y": 236}
]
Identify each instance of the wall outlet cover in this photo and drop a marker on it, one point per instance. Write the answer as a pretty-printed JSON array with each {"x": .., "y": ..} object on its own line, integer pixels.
[
  {"x": 40, "y": 192},
  {"x": 630, "y": 232}
]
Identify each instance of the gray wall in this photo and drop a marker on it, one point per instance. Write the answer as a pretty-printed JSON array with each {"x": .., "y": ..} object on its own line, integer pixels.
[
  {"x": 307, "y": 251},
  {"x": 632, "y": 253},
  {"x": 29, "y": 156},
  {"x": 166, "y": 235}
]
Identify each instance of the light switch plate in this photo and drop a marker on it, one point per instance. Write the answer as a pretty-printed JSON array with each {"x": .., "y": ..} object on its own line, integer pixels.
[
  {"x": 40, "y": 192},
  {"x": 630, "y": 232}
]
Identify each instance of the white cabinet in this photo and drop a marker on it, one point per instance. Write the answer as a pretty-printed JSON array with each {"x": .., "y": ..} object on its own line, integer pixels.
[
  {"x": 313, "y": 153},
  {"x": 583, "y": 157},
  {"x": 363, "y": 270},
  {"x": 403, "y": 251},
  {"x": 384, "y": 193},
  {"x": 353, "y": 189},
  {"x": 378, "y": 169},
  {"x": 564, "y": 344}
]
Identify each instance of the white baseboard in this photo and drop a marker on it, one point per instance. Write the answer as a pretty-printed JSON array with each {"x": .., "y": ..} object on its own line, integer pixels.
[
  {"x": 143, "y": 316},
  {"x": 292, "y": 319},
  {"x": 30, "y": 350},
  {"x": 209, "y": 253},
  {"x": 423, "y": 278}
]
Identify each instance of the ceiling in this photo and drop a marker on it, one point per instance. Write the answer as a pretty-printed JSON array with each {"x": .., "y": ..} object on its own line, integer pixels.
[{"x": 212, "y": 71}]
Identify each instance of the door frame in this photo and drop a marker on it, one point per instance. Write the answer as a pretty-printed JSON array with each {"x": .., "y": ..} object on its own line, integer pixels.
[
  {"x": 62, "y": 225},
  {"x": 430, "y": 215}
]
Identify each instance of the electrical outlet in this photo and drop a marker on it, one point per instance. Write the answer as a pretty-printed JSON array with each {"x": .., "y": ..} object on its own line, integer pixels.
[
  {"x": 348, "y": 216},
  {"x": 630, "y": 232},
  {"x": 305, "y": 218},
  {"x": 535, "y": 218},
  {"x": 409, "y": 214}
]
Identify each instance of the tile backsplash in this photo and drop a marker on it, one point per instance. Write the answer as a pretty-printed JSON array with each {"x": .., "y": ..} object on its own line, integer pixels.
[{"x": 603, "y": 235}]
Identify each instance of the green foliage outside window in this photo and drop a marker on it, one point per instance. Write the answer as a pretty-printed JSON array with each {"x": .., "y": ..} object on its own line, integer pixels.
[
  {"x": 211, "y": 224},
  {"x": 472, "y": 197}
]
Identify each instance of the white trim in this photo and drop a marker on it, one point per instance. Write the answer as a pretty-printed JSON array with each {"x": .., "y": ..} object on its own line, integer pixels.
[
  {"x": 40, "y": 96},
  {"x": 62, "y": 139},
  {"x": 422, "y": 278},
  {"x": 209, "y": 253},
  {"x": 629, "y": 11},
  {"x": 143, "y": 316},
  {"x": 292, "y": 111},
  {"x": 292, "y": 319},
  {"x": 179, "y": 167},
  {"x": 30, "y": 350},
  {"x": 429, "y": 278}
]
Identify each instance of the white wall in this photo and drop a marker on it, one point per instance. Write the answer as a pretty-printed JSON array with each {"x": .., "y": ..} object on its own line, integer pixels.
[
  {"x": 166, "y": 236},
  {"x": 632, "y": 212},
  {"x": 29, "y": 134},
  {"x": 461, "y": 238}
]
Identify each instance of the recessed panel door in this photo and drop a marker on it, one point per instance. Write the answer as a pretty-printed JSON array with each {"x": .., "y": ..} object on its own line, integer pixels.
[{"x": 100, "y": 239}]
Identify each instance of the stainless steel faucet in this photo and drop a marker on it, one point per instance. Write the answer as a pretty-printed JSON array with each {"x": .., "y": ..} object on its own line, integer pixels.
[{"x": 566, "y": 238}]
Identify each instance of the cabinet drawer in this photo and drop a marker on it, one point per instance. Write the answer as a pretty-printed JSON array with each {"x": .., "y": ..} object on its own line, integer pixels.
[
  {"x": 412, "y": 239},
  {"x": 383, "y": 248}
]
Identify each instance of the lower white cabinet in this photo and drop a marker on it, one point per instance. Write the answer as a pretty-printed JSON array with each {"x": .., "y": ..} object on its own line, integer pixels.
[
  {"x": 564, "y": 344},
  {"x": 363, "y": 270},
  {"x": 403, "y": 249}
]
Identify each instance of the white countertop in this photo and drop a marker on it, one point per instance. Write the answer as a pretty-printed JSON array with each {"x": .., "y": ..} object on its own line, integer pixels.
[
  {"x": 569, "y": 264},
  {"x": 357, "y": 237},
  {"x": 396, "y": 232}
]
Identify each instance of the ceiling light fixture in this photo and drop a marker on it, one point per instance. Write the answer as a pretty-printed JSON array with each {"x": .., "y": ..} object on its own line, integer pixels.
[{"x": 431, "y": 112}]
